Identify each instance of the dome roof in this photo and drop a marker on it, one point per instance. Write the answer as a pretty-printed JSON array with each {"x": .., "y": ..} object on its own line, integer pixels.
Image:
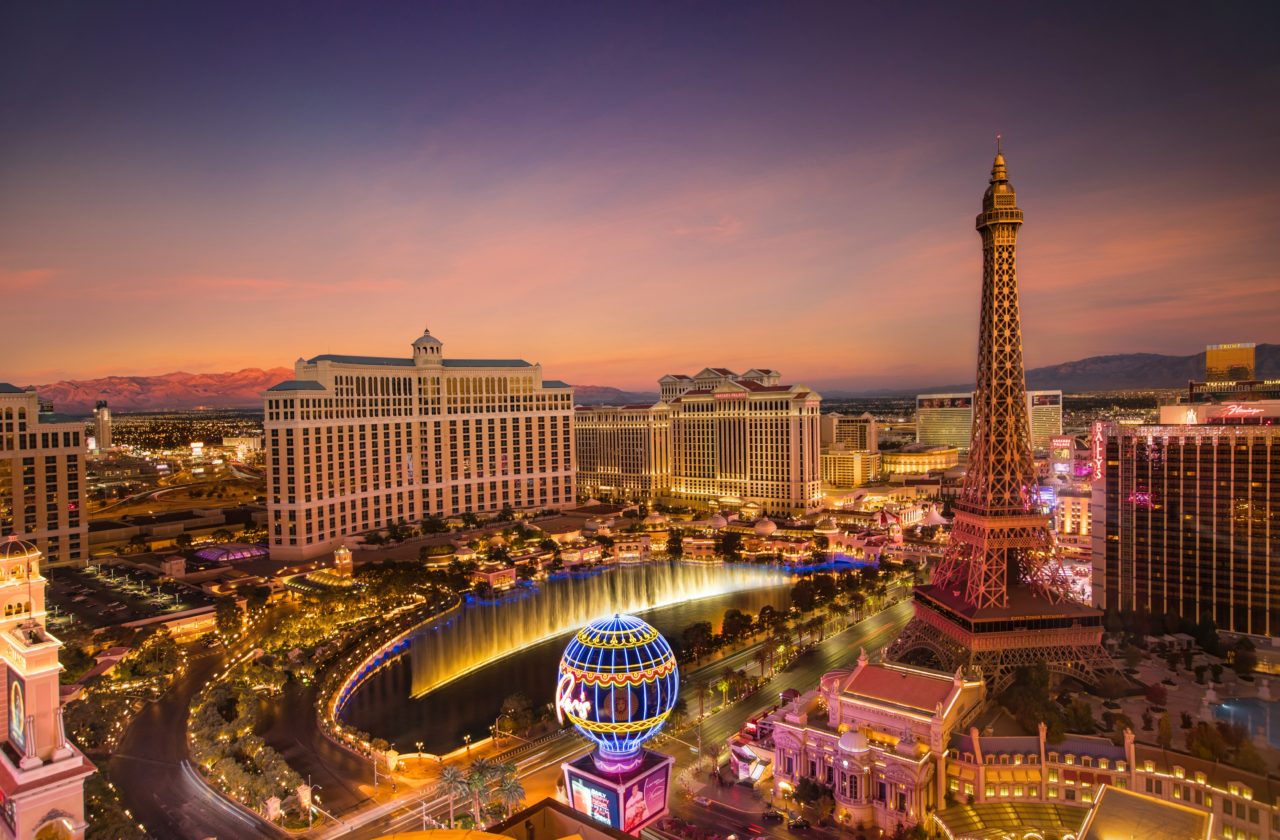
[
  {"x": 16, "y": 549},
  {"x": 825, "y": 525},
  {"x": 717, "y": 522},
  {"x": 765, "y": 527},
  {"x": 853, "y": 741},
  {"x": 427, "y": 340}
]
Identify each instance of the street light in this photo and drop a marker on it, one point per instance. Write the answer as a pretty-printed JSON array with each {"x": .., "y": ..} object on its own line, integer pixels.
[
  {"x": 466, "y": 739},
  {"x": 418, "y": 744}
]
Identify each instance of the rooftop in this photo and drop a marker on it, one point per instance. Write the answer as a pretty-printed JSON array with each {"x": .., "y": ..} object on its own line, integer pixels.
[
  {"x": 1120, "y": 814},
  {"x": 297, "y": 385},
  {"x": 912, "y": 688},
  {"x": 6, "y": 388},
  {"x": 396, "y": 361}
]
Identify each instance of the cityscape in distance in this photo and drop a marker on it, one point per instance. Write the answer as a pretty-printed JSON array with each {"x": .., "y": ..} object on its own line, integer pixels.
[{"x": 713, "y": 422}]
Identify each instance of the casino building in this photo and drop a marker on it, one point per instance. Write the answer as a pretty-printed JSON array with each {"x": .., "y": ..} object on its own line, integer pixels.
[
  {"x": 42, "y": 468},
  {"x": 877, "y": 736},
  {"x": 715, "y": 439},
  {"x": 1184, "y": 518},
  {"x": 355, "y": 443}
]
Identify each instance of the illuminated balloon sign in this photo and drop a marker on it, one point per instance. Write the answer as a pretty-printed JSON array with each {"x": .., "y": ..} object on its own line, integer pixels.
[{"x": 618, "y": 683}]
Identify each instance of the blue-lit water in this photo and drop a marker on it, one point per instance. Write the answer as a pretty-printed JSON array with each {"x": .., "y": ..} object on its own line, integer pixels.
[{"x": 1254, "y": 715}]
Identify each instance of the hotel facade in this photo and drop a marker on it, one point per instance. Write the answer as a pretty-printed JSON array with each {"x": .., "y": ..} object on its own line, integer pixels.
[
  {"x": 1184, "y": 518},
  {"x": 42, "y": 470},
  {"x": 356, "y": 443},
  {"x": 947, "y": 419},
  {"x": 899, "y": 746},
  {"x": 729, "y": 439}
]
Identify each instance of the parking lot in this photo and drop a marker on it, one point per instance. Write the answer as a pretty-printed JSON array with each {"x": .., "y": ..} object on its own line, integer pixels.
[{"x": 103, "y": 596}]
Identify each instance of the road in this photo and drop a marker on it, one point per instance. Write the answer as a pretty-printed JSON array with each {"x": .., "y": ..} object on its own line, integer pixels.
[
  {"x": 540, "y": 769},
  {"x": 155, "y": 779}
]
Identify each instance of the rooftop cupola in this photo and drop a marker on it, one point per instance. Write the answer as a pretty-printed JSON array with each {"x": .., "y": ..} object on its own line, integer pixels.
[{"x": 427, "y": 349}]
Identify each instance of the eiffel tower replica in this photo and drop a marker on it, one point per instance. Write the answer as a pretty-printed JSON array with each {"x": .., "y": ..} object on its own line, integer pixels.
[{"x": 999, "y": 597}]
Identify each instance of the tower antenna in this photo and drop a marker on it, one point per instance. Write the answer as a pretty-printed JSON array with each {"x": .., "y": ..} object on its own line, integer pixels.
[{"x": 999, "y": 150}]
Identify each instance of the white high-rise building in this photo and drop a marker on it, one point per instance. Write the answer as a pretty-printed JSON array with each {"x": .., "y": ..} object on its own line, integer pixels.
[
  {"x": 715, "y": 438},
  {"x": 623, "y": 452},
  {"x": 41, "y": 473},
  {"x": 355, "y": 443},
  {"x": 947, "y": 419},
  {"x": 102, "y": 426},
  {"x": 742, "y": 441}
]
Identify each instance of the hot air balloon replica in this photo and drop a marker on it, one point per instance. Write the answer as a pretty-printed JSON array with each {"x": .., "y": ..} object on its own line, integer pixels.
[{"x": 618, "y": 683}]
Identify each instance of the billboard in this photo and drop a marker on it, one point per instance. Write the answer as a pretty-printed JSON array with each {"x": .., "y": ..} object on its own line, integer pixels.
[
  {"x": 944, "y": 402},
  {"x": 1046, "y": 399},
  {"x": 587, "y": 796},
  {"x": 17, "y": 712},
  {"x": 645, "y": 799}
]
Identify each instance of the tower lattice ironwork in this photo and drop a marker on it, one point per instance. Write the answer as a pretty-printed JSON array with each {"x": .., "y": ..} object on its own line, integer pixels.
[{"x": 999, "y": 596}]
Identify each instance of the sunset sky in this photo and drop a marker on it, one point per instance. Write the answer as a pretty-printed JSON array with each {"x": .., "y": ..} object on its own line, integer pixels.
[{"x": 622, "y": 190}]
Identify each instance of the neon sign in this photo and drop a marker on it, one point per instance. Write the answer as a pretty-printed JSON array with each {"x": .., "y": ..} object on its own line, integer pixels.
[
  {"x": 566, "y": 703},
  {"x": 1242, "y": 411},
  {"x": 1099, "y": 440}
]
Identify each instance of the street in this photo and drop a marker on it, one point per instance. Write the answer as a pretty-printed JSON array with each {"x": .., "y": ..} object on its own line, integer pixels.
[
  {"x": 540, "y": 770},
  {"x": 158, "y": 784}
]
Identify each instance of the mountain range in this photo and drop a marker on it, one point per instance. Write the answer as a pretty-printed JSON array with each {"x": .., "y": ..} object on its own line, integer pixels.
[
  {"x": 1126, "y": 372},
  {"x": 243, "y": 388}
]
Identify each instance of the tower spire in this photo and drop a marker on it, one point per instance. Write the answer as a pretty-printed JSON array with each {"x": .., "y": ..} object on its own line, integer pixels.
[{"x": 1000, "y": 577}]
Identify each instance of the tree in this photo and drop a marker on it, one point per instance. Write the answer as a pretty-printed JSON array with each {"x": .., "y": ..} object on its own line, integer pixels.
[
  {"x": 731, "y": 545},
  {"x": 802, "y": 595},
  {"x": 227, "y": 617},
  {"x": 736, "y": 624},
  {"x": 510, "y": 794},
  {"x": 221, "y": 535},
  {"x": 1157, "y": 695},
  {"x": 454, "y": 783},
  {"x": 1205, "y": 741},
  {"x": 1164, "y": 732},
  {"x": 675, "y": 548},
  {"x": 479, "y": 774},
  {"x": 183, "y": 540},
  {"x": 761, "y": 658},
  {"x": 700, "y": 690}
]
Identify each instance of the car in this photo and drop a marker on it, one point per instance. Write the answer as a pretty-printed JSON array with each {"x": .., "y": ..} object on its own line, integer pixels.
[
  {"x": 703, "y": 801},
  {"x": 772, "y": 815},
  {"x": 797, "y": 823}
]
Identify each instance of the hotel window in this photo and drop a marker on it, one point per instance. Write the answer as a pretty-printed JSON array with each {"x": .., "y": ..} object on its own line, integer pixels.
[
  {"x": 990, "y": 791},
  {"x": 1053, "y": 792},
  {"x": 1053, "y": 774}
]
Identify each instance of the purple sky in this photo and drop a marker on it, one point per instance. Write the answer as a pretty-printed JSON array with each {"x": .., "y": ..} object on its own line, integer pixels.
[{"x": 622, "y": 190}]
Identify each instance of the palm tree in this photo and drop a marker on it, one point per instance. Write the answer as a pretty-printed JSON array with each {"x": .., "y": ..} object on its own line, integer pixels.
[
  {"x": 479, "y": 774},
  {"x": 454, "y": 783},
  {"x": 762, "y": 657},
  {"x": 724, "y": 684},
  {"x": 700, "y": 690},
  {"x": 510, "y": 793}
]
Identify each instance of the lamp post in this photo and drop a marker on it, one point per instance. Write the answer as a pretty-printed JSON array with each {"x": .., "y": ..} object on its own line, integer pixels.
[
  {"x": 418, "y": 744},
  {"x": 466, "y": 739}
]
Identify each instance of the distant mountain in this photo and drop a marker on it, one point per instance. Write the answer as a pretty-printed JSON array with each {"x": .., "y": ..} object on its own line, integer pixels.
[
  {"x": 236, "y": 389},
  {"x": 166, "y": 392},
  {"x": 243, "y": 388},
  {"x": 1124, "y": 372},
  {"x": 604, "y": 395}
]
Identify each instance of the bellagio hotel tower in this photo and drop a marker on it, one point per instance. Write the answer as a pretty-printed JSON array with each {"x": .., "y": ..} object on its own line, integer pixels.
[{"x": 356, "y": 443}]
